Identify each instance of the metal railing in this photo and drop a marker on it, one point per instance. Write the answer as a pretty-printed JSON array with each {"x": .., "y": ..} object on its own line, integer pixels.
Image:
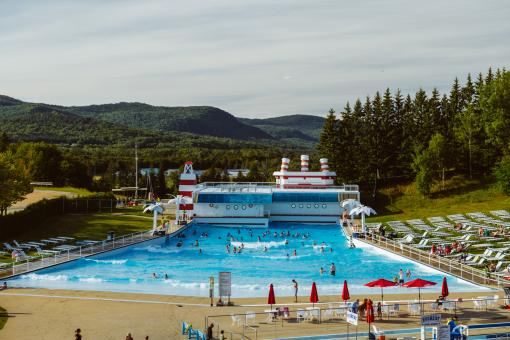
[
  {"x": 308, "y": 320},
  {"x": 451, "y": 266},
  {"x": 43, "y": 261}
]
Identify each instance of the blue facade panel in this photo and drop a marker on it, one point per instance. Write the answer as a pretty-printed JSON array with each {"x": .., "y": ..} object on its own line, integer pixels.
[{"x": 305, "y": 197}]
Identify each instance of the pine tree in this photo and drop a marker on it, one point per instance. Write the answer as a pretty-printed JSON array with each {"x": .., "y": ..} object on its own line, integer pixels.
[{"x": 328, "y": 142}]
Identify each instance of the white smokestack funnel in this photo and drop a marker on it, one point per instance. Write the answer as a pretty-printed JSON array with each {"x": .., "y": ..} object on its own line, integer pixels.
[
  {"x": 324, "y": 164},
  {"x": 285, "y": 165},
  {"x": 304, "y": 162}
]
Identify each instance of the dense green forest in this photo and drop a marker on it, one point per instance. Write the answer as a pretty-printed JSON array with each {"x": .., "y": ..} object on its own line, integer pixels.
[{"x": 424, "y": 137}]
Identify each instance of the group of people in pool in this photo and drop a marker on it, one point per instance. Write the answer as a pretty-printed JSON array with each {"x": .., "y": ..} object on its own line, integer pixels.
[{"x": 238, "y": 249}]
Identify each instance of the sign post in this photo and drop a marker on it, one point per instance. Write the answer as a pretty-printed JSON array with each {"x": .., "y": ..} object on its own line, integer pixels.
[
  {"x": 211, "y": 289},
  {"x": 225, "y": 285},
  {"x": 352, "y": 318},
  {"x": 429, "y": 320}
]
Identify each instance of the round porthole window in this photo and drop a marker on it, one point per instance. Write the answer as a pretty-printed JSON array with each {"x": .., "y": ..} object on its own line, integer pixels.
[
  {"x": 301, "y": 206},
  {"x": 236, "y": 207},
  {"x": 324, "y": 206},
  {"x": 293, "y": 206},
  {"x": 227, "y": 206},
  {"x": 316, "y": 206},
  {"x": 309, "y": 206},
  {"x": 243, "y": 207}
]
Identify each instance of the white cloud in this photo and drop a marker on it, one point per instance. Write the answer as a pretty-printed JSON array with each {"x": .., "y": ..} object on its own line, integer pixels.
[{"x": 239, "y": 55}]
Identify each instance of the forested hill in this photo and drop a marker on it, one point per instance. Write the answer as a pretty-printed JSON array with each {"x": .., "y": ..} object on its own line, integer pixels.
[
  {"x": 305, "y": 127},
  {"x": 201, "y": 120},
  {"x": 180, "y": 126}
]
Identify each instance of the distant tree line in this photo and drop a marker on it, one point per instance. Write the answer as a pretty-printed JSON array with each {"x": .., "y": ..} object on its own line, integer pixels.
[{"x": 426, "y": 137}]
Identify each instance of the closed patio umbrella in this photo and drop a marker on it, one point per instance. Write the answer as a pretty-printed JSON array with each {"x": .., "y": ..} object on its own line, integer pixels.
[
  {"x": 345, "y": 292},
  {"x": 314, "y": 297},
  {"x": 444, "y": 288},
  {"x": 271, "y": 299}
]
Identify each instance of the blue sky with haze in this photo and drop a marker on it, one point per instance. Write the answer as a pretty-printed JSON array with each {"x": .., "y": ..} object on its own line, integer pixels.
[{"x": 251, "y": 58}]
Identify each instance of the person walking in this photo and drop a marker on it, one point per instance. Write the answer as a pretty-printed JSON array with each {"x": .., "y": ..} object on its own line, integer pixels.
[
  {"x": 77, "y": 334},
  {"x": 295, "y": 284}
]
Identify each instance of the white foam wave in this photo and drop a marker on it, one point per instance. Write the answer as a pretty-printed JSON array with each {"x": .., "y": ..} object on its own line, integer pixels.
[
  {"x": 259, "y": 245},
  {"x": 107, "y": 261},
  {"x": 187, "y": 285},
  {"x": 90, "y": 279},
  {"x": 158, "y": 249},
  {"x": 44, "y": 277},
  {"x": 282, "y": 257}
]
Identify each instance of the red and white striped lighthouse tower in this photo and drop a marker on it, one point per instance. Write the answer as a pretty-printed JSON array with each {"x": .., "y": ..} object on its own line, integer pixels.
[{"x": 187, "y": 183}]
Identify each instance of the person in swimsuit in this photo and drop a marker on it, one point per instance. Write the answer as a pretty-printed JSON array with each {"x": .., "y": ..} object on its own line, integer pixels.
[
  {"x": 332, "y": 269},
  {"x": 295, "y": 284}
]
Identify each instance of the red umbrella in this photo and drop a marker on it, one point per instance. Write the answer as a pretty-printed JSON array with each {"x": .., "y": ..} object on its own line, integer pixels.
[
  {"x": 314, "y": 297},
  {"x": 345, "y": 292},
  {"x": 444, "y": 288},
  {"x": 381, "y": 283},
  {"x": 270, "y": 298},
  {"x": 418, "y": 283}
]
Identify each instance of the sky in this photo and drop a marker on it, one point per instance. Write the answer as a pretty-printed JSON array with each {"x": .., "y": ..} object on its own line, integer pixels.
[{"x": 251, "y": 58}]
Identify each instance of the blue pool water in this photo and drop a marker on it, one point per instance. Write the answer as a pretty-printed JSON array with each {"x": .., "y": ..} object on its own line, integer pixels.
[{"x": 130, "y": 269}]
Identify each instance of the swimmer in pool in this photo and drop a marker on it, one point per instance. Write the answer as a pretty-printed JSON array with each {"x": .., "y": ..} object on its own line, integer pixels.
[
  {"x": 196, "y": 243},
  {"x": 295, "y": 253},
  {"x": 321, "y": 270},
  {"x": 322, "y": 249},
  {"x": 154, "y": 275},
  {"x": 166, "y": 276},
  {"x": 200, "y": 250},
  {"x": 265, "y": 249}
]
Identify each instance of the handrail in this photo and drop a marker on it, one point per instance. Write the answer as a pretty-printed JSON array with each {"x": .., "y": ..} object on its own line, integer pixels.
[
  {"x": 42, "y": 261},
  {"x": 451, "y": 266}
]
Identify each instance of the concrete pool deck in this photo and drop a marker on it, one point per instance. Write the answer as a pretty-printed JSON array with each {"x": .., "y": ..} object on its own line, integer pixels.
[{"x": 55, "y": 314}]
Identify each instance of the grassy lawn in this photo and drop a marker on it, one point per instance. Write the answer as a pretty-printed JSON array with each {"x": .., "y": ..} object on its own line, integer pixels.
[
  {"x": 87, "y": 226},
  {"x": 77, "y": 191},
  {"x": 459, "y": 196},
  {"x": 3, "y": 317}
]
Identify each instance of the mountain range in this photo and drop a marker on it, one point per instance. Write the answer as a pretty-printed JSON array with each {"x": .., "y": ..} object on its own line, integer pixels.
[{"x": 122, "y": 122}]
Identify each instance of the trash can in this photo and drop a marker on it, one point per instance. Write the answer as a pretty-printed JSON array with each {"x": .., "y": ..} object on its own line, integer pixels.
[{"x": 110, "y": 236}]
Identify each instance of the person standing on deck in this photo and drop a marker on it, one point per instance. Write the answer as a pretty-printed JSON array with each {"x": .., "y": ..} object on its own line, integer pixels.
[
  {"x": 400, "y": 277},
  {"x": 295, "y": 284}
]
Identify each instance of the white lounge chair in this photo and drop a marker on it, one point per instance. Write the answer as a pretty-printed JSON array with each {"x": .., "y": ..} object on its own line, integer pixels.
[
  {"x": 300, "y": 315},
  {"x": 236, "y": 320},
  {"x": 249, "y": 317}
]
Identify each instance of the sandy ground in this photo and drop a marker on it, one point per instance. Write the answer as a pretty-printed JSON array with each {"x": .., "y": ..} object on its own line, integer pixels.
[
  {"x": 55, "y": 314},
  {"x": 36, "y": 196}
]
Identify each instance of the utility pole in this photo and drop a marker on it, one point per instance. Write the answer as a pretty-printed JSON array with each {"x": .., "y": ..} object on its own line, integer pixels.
[{"x": 136, "y": 170}]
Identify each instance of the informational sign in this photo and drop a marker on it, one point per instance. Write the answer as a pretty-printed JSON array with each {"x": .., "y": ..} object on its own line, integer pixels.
[
  {"x": 443, "y": 332},
  {"x": 352, "y": 318},
  {"x": 225, "y": 283},
  {"x": 431, "y": 320}
]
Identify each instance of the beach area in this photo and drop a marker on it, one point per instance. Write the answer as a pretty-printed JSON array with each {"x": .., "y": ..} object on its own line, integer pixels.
[{"x": 55, "y": 314}]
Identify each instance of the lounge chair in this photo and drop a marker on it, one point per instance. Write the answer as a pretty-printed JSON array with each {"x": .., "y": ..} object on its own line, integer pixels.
[
  {"x": 49, "y": 241},
  {"x": 300, "y": 315},
  {"x": 22, "y": 246},
  {"x": 377, "y": 331},
  {"x": 9, "y": 247},
  {"x": 249, "y": 316},
  {"x": 42, "y": 252},
  {"x": 22, "y": 256},
  {"x": 236, "y": 320}
]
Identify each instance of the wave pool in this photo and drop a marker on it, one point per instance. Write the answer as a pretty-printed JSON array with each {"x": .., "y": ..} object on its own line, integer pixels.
[{"x": 267, "y": 257}]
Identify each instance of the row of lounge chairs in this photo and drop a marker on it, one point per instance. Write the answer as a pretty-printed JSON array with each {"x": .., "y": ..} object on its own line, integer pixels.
[
  {"x": 440, "y": 230},
  {"x": 57, "y": 244}
]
